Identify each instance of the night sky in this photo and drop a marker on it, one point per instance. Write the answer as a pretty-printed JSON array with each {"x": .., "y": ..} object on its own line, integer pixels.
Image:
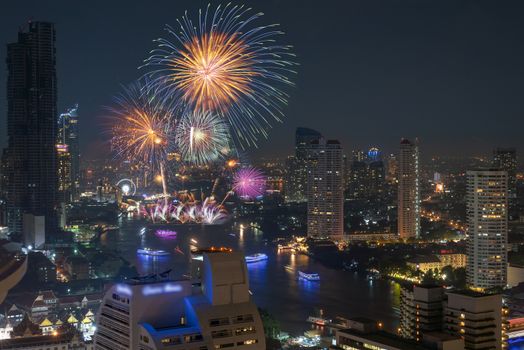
[{"x": 450, "y": 72}]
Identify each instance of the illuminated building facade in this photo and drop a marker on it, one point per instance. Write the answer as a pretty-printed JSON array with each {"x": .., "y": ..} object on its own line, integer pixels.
[
  {"x": 64, "y": 180},
  {"x": 68, "y": 135},
  {"x": 364, "y": 334},
  {"x": 420, "y": 310},
  {"x": 478, "y": 319},
  {"x": 408, "y": 190},
  {"x": 475, "y": 317},
  {"x": 213, "y": 312},
  {"x": 506, "y": 159},
  {"x": 392, "y": 168},
  {"x": 31, "y": 181},
  {"x": 325, "y": 190},
  {"x": 366, "y": 175},
  {"x": 425, "y": 263},
  {"x": 296, "y": 166},
  {"x": 487, "y": 218}
]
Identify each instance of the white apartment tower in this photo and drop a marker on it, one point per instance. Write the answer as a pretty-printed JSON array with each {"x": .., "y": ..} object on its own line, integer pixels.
[
  {"x": 325, "y": 190},
  {"x": 408, "y": 190},
  {"x": 487, "y": 216},
  {"x": 213, "y": 312}
]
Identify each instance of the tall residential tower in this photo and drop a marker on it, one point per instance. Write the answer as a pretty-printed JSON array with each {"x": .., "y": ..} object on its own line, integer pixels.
[
  {"x": 408, "y": 190},
  {"x": 68, "y": 135},
  {"x": 506, "y": 159},
  {"x": 325, "y": 190},
  {"x": 487, "y": 217},
  {"x": 296, "y": 180},
  {"x": 30, "y": 157}
]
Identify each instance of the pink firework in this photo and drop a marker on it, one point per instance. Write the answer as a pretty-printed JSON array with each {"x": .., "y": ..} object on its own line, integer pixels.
[{"x": 249, "y": 183}]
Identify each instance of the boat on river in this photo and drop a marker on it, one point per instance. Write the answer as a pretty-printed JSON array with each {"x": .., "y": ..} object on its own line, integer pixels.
[
  {"x": 256, "y": 258},
  {"x": 151, "y": 252},
  {"x": 310, "y": 276}
]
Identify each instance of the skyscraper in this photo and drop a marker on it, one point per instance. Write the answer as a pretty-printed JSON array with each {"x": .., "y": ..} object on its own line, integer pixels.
[
  {"x": 366, "y": 175},
  {"x": 392, "y": 168},
  {"x": 487, "y": 219},
  {"x": 506, "y": 159},
  {"x": 68, "y": 135},
  {"x": 65, "y": 183},
  {"x": 325, "y": 190},
  {"x": 296, "y": 179},
  {"x": 31, "y": 126},
  {"x": 408, "y": 190}
]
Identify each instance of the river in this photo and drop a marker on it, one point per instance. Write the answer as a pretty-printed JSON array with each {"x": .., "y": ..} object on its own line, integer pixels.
[{"x": 275, "y": 288}]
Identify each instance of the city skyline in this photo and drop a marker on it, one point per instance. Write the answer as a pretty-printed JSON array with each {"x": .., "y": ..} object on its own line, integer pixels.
[
  {"x": 161, "y": 222},
  {"x": 433, "y": 92}
]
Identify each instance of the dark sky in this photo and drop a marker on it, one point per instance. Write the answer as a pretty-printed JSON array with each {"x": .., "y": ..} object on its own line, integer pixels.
[{"x": 371, "y": 71}]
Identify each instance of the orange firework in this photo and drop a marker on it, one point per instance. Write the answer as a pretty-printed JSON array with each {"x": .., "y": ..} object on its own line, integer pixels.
[
  {"x": 213, "y": 70},
  {"x": 141, "y": 127},
  {"x": 225, "y": 65}
]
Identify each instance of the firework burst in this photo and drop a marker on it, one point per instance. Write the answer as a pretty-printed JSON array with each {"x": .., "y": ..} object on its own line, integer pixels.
[
  {"x": 226, "y": 64},
  {"x": 202, "y": 137},
  {"x": 141, "y": 126},
  {"x": 207, "y": 212},
  {"x": 249, "y": 183}
]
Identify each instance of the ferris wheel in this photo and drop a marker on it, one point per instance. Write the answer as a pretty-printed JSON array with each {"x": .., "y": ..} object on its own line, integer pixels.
[{"x": 127, "y": 186}]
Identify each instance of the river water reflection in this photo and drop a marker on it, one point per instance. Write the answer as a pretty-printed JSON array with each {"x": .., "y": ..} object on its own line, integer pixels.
[{"x": 275, "y": 287}]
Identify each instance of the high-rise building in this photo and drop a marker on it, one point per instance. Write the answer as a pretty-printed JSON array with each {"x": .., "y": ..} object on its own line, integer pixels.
[
  {"x": 358, "y": 180},
  {"x": 475, "y": 317},
  {"x": 64, "y": 173},
  {"x": 366, "y": 178},
  {"x": 211, "y": 312},
  {"x": 30, "y": 156},
  {"x": 487, "y": 218},
  {"x": 420, "y": 310},
  {"x": 366, "y": 174},
  {"x": 68, "y": 135},
  {"x": 392, "y": 168},
  {"x": 408, "y": 190},
  {"x": 297, "y": 177},
  {"x": 506, "y": 159},
  {"x": 364, "y": 334},
  {"x": 325, "y": 190}
]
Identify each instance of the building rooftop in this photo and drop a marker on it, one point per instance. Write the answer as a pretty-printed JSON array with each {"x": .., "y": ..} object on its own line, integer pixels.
[
  {"x": 387, "y": 339},
  {"x": 473, "y": 293}
]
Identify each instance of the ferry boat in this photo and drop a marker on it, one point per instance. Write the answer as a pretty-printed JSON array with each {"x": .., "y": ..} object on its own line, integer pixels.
[
  {"x": 151, "y": 252},
  {"x": 310, "y": 276},
  {"x": 256, "y": 258},
  {"x": 318, "y": 320}
]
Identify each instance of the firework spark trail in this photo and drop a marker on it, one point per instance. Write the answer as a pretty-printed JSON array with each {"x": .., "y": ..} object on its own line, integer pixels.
[
  {"x": 202, "y": 137},
  {"x": 186, "y": 212},
  {"x": 141, "y": 128},
  {"x": 226, "y": 64}
]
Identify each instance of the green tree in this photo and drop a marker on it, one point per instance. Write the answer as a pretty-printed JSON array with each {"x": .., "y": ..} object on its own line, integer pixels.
[{"x": 271, "y": 325}]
